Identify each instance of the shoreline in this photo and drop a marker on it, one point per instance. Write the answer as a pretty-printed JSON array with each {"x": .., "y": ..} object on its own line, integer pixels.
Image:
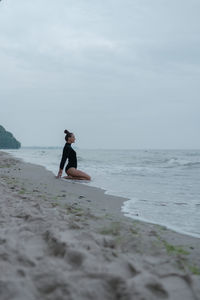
[
  {"x": 107, "y": 192},
  {"x": 56, "y": 233},
  {"x": 176, "y": 230}
]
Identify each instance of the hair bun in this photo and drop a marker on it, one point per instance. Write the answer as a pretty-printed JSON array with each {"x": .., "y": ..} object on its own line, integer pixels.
[{"x": 66, "y": 131}]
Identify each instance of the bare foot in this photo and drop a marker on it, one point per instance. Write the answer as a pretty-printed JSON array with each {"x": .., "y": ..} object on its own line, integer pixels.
[{"x": 68, "y": 177}]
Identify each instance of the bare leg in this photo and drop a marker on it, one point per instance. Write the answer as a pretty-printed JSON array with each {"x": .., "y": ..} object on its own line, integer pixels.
[{"x": 77, "y": 174}]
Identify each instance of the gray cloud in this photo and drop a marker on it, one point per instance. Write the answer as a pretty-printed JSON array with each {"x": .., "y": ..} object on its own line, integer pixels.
[{"x": 124, "y": 72}]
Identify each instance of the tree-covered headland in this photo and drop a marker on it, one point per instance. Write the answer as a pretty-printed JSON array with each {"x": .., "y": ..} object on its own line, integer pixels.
[{"x": 7, "y": 140}]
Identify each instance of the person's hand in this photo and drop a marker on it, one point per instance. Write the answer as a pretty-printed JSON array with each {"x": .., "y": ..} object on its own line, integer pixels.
[{"x": 59, "y": 174}]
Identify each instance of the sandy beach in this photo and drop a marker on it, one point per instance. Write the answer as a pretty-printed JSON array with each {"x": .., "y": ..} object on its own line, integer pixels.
[{"x": 64, "y": 240}]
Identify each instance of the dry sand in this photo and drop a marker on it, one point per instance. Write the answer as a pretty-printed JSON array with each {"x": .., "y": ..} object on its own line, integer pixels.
[{"x": 64, "y": 240}]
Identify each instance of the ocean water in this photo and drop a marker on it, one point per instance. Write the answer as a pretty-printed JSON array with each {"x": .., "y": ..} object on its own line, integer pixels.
[{"x": 162, "y": 185}]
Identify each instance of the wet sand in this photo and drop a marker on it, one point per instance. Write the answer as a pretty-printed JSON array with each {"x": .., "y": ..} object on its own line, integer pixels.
[{"x": 63, "y": 240}]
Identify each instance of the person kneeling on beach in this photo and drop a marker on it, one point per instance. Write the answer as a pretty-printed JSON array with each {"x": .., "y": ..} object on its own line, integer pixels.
[{"x": 71, "y": 168}]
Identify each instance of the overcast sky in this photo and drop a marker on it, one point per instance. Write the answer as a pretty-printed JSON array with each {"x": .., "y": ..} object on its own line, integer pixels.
[{"x": 117, "y": 73}]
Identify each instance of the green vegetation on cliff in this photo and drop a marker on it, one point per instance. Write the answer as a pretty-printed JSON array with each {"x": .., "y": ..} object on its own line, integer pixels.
[{"x": 7, "y": 140}]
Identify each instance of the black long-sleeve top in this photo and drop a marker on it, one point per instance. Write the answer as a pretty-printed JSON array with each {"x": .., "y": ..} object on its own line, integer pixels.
[{"x": 68, "y": 152}]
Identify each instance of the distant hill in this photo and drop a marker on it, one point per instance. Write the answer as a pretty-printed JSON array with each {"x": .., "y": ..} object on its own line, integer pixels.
[{"x": 7, "y": 140}]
